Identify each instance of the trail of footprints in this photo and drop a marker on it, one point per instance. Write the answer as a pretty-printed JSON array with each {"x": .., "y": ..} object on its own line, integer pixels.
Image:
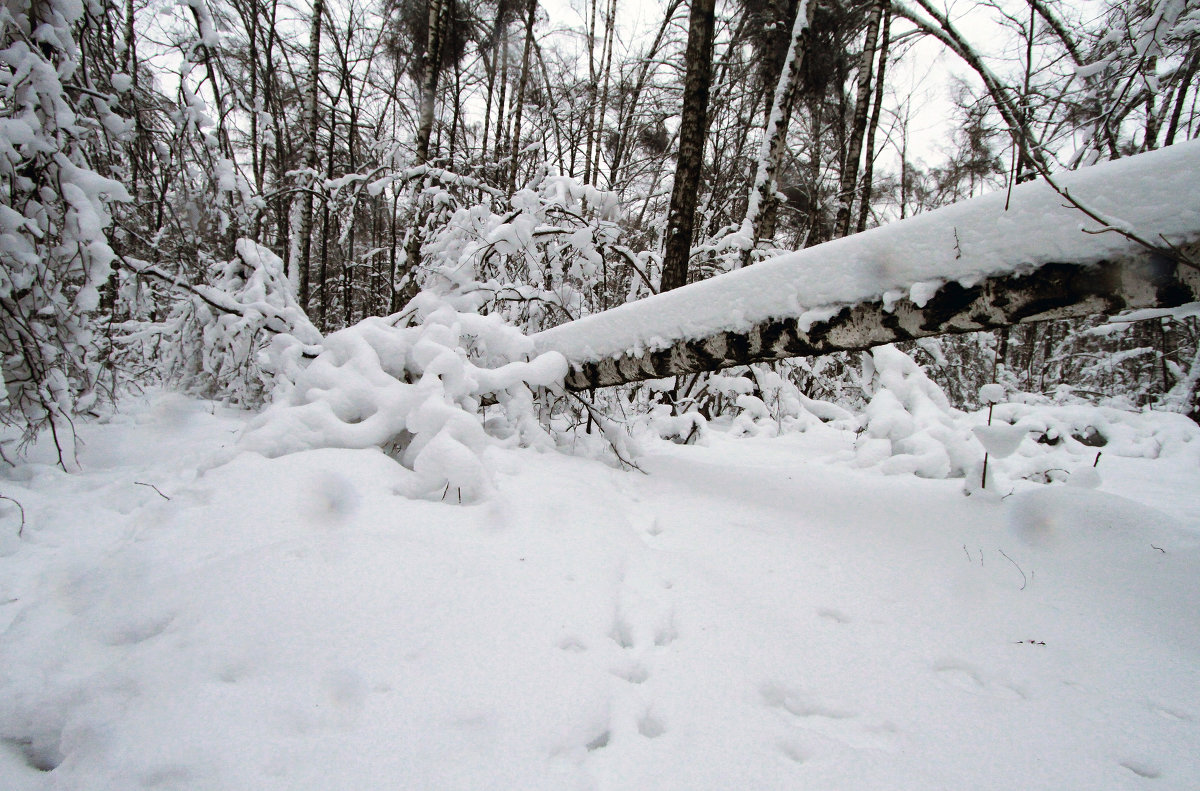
[{"x": 643, "y": 625}]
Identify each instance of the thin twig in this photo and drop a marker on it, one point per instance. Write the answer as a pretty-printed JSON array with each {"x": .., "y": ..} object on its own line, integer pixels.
[
  {"x": 1171, "y": 251},
  {"x": 1024, "y": 579},
  {"x": 21, "y": 529},
  {"x": 155, "y": 488}
]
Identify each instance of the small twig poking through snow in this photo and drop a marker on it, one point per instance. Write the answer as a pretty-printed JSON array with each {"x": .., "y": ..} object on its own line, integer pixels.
[
  {"x": 21, "y": 529},
  {"x": 1097, "y": 461},
  {"x": 968, "y": 553},
  {"x": 1024, "y": 579},
  {"x": 1160, "y": 549},
  {"x": 605, "y": 427},
  {"x": 155, "y": 488}
]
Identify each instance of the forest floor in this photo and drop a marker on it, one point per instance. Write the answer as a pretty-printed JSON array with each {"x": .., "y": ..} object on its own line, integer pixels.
[{"x": 751, "y": 614}]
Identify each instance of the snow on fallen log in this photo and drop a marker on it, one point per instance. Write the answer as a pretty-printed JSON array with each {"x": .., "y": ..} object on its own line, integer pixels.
[{"x": 966, "y": 267}]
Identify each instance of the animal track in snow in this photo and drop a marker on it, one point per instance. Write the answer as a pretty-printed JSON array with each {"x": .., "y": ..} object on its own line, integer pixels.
[
  {"x": 1142, "y": 769},
  {"x": 634, "y": 673},
  {"x": 644, "y": 614},
  {"x": 795, "y": 704},
  {"x": 650, "y": 727},
  {"x": 572, "y": 644},
  {"x": 793, "y": 752},
  {"x": 1168, "y": 713},
  {"x": 831, "y": 722},
  {"x": 965, "y": 676},
  {"x": 600, "y": 742}
]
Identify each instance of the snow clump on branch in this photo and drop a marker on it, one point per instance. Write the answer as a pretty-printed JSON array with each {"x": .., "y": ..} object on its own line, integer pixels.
[{"x": 418, "y": 393}]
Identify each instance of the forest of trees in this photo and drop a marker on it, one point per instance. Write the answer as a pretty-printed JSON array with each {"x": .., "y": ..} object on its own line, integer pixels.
[{"x": 182, "y": 183}]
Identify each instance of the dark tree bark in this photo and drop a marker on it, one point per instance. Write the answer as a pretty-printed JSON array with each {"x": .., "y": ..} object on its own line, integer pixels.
[
  {"x": 430, "y": 70},
  {"x": 862, "y": 100},
  {"x": 864, "y": 208},
  {"x": 692, "y": 129}
]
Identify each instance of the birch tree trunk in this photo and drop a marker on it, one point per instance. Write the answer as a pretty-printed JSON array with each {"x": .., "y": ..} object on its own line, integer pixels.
[
  {"x": 864, "y": 208},
  {"x": 429, "y": 79},
  {"x": 310, "y": 149},
  {"x": 759, "y": 223}
]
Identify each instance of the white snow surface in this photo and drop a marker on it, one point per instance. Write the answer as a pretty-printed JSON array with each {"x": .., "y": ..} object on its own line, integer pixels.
[
  {"x": 751, "y": 614},
  {"x": 1154, "y": 193}
]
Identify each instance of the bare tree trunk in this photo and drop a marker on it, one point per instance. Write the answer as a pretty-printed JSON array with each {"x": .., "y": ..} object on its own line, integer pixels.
[
  {"x": 323, "y": 264},
  {"x": 431, "y": 68},
  {"x": 516, "y": 146},
  {"x": 429, "y": 78},
  {"x": 1186, "y": 82},
  {"x": 457, "y": 110},
  {"x": 131, "y": 61},
  {"x": 609, "y": 35},
  {"x": 593, "y": 83},
  {"x": 692, "y": 129},
  {"x": 864, "y": 208},
  {"x": 503, "y": 90},
  {"x": 310, "y": 148},
  {"x": 854, "y": 150},
  {"x": 761, "y": 209}
]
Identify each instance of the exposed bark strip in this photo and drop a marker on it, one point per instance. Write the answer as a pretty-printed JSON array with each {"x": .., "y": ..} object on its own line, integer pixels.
[{"x": 1139, "y": 279}]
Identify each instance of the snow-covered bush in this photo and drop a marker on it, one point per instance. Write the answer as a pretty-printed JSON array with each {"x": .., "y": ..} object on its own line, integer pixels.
[
  {"x": 418, "y": 393},
  {"x": 547, "y": 257},
  {"x": 54, "y": 257},
  {"x": 227, "y": 339},
  {"x": 765, "y": 400},
  {"x": 909, "y": 425}
]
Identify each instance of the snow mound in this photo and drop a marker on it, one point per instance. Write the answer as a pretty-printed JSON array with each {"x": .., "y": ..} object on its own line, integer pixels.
[
  {"x": 910, "y": 427},
  {"x": 418, "y": 393}
]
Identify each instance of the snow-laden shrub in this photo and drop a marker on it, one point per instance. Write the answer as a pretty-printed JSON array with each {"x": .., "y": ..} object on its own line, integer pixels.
[
  {"x": 765, "y": 401},
  {"x": 418, "y": 393},
  {"x": 54, "y": 257},
  {"x": 229, "y": 339},
  {"x": 909, "y": 425},
  {"x": 548, "y": 256}
]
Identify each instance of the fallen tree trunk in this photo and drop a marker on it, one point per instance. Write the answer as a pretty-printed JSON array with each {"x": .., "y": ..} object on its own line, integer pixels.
[
  {"x": 1118, "y": 236},
  {"x": 1054, "y": 291}
]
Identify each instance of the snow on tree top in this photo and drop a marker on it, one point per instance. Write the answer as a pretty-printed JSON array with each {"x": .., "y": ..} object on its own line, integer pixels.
[{"x": 1156, "y": 193}]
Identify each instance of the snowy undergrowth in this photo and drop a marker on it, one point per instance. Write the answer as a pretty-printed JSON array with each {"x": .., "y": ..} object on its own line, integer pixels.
[
  {"x": 909, "y": 427},
  {"x": 416, "y": 392},
  {"x": 750, "y": 614}
]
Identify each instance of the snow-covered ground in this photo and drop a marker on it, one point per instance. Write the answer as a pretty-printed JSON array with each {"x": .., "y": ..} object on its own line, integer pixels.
[{"x": 756, "y": 613}]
